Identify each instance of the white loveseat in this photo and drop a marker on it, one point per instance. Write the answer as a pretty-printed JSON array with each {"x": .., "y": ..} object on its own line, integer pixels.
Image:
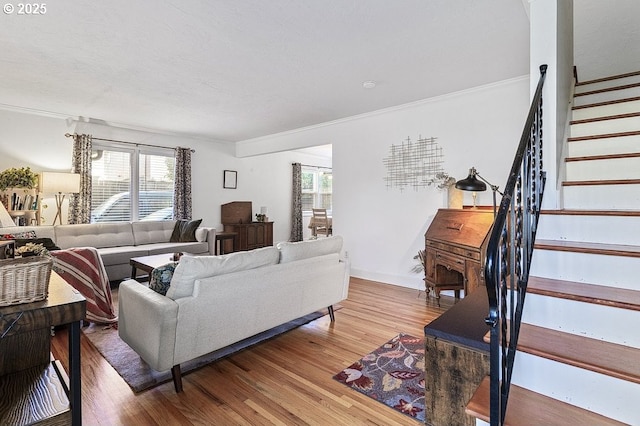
[
  {"x": 214, "y": 301},
  {"x": 118, "y": 242}
]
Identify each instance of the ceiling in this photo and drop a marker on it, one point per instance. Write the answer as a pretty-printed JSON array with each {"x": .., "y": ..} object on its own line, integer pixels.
[{"x": 233, "y": 70}]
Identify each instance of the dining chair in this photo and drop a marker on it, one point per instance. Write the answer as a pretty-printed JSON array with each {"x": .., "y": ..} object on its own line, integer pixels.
[{"x": 321, "y": 223}]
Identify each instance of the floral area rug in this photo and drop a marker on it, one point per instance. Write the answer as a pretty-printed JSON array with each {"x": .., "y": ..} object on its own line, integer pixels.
[{"x": 392, "y": 374}]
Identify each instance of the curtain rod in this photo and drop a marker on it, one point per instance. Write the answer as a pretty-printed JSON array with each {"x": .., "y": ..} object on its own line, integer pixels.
[
  {"x": 318, "y": 167},
  {"x": 130, "y": 143}
]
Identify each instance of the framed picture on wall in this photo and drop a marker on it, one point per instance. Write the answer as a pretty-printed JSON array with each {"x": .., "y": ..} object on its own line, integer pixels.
[{"x": 230, "y": 180}]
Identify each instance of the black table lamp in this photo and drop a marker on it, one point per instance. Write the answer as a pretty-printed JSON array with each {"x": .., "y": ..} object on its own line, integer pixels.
[{"x": 472, "y": 183}]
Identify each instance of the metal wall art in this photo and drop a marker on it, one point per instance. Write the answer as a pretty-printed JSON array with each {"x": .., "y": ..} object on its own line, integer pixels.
[{"x": 413, "y": 164}]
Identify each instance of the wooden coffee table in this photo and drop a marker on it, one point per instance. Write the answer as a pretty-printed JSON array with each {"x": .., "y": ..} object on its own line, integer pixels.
[{"x": 148, "y": 263}]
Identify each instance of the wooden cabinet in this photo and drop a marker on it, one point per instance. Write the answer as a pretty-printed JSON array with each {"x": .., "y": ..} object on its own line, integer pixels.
[
  {"x": 236, "y": 217},
  {"x": 455, "y": 246},
  {"x": 251, "y": 235}
]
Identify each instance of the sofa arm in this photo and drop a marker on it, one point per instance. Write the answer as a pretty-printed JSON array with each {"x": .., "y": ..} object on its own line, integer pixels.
[
  {"x": 147, "y": 322},
  {"x": 210, "y": 234}
]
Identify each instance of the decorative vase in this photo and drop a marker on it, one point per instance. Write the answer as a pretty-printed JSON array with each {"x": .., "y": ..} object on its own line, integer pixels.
[{"x": 454, "y": 198}]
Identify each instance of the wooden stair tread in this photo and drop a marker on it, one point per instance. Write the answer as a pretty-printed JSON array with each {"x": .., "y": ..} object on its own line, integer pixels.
[
  {"x": 599, "y": 104},
  {"x": 575, "y": 212},
  {"x": 610, "y": 78},
  {"x": 603, "y": 136},
  {"x": 605, "y": 118},
  {"x": 602, "y": 357},
  {"x": 587, "y": 247},
  {"x": 588, "y": 293},
  {"x": 603, "y": 157},
  {"x": 531, "y": 408},
  {"x": 601, "y": 182},
  {"x": 607, "y": 89}
]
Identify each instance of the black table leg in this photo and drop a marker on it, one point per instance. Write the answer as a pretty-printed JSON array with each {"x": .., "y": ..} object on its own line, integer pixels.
[{"x": 75, "y": 392}]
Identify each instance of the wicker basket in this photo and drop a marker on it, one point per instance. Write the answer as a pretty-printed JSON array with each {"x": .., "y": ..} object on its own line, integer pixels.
[{"x": 24, "y": 280}]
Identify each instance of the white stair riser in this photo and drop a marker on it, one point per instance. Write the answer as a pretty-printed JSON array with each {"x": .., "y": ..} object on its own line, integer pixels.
[
  {"x": 617, "y": 125},
  {"x": 607, "y": 84},
  {"x": 606, "y": 96},
  {"x": 616, "y": 168},
  {"x": 583, "y": 319},
  {"x": 603, "y": 229},
  {"x": 606, "y": 110},
  {"x": 605, "y": 395},
  {"x": 612, "y": 271},
  {"x": 603, "y": 146},
  {"x": 602, "y": 197}
]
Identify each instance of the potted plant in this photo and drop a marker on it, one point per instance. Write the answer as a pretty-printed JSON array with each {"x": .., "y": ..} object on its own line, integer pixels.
[
  {"x": 18, "y": 178},
  {"x": 11, "y": 178}
]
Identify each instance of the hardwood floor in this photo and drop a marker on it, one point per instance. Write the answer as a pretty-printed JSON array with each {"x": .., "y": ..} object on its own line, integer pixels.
[{"x": 284, "y": 381}]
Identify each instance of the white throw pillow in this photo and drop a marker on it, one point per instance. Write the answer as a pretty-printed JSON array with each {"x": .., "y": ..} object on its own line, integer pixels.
[
  {"x": 290, "y": 252},
  {"x": 192, "y": 268}
]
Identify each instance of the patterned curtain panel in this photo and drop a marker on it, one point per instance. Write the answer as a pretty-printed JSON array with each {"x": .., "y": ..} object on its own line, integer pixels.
[
  {"x": 296, "y": 204},
  {"x": 182, "y": 185},
  {"x": 80, "y": 204}
]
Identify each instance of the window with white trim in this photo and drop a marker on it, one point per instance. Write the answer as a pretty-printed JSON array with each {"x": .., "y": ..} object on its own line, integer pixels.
[
  {"x": 130, "y": 184},
  {"x": 317, "y": 188}
]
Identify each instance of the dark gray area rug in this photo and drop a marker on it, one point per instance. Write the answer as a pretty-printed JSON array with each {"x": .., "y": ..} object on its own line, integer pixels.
[{"x": 137, "y": 373}]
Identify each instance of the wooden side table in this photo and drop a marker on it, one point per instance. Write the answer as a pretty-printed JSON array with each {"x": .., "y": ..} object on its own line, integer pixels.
[
  {"x": 221, "y": 237},
  {"x": 25, "y": 344}
]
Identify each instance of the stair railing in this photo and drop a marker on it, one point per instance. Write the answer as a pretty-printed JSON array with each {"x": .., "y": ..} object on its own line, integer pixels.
[{"x": 509, "y": 253}]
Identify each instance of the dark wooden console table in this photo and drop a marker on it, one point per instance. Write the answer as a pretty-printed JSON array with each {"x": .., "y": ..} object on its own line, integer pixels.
[
  {"x": 456, "y": 360},
  {"x": 32, "y": 387}
]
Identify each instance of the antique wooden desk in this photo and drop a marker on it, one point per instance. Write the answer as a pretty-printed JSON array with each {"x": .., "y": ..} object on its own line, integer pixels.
[
  {"x": 455, "y": 247},
  {"x": 33, "y": 389}
]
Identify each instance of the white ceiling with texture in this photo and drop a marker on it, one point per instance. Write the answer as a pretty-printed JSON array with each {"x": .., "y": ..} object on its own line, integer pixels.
[{"x": 239, "y": 69}]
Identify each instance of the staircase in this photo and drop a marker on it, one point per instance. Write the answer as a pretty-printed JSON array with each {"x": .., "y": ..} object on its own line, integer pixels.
[{"x": 578, "y": 359}]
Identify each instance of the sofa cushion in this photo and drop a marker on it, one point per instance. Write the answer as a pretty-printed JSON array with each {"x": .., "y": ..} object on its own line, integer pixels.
[
  {"x": 290, "y": 252},
  {"x": 185, "y": 231},
  {"x": 192, "y": 268},
  {"x": 195, "y": 248},
  {"x": 121, "y": 255},
  {"x": 98, "y": 235},
  {"x": 160, "y": 278},
  {"x": 152, "y": 231}
]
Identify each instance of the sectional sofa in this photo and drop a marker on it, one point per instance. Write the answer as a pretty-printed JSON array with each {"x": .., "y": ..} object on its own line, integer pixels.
[
  {"x": 214, "y": 301},
  {"x": 118, "y": 242}
]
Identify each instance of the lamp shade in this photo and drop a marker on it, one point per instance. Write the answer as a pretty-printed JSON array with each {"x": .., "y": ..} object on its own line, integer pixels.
[
  {"x": 59, "y": 183},
  {"x": 471, "y": 182},
  {"x": 5, "y": 218}
]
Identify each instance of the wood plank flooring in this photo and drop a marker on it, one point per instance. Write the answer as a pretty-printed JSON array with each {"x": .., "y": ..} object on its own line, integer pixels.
[{"x": 284, "y": 381}]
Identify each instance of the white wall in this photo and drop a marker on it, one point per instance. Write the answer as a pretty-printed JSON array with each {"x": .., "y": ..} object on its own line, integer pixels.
[
  {"x": 552, "y": 44},
  {"x": 384, "y": 228},
  {"x": 39, "y": 142}
]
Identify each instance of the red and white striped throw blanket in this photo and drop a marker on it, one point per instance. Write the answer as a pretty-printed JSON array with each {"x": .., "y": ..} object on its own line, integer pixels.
[{"x": 83, "y": 269}]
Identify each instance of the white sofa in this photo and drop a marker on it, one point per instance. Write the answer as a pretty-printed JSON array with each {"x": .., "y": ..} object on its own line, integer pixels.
[
  {"x": 214, "y": 301},
  {"x": 118, "y": 242}
]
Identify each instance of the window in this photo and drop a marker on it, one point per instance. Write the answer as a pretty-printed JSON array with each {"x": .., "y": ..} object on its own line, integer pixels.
[
  {"x": 131, "y": 183},
  {"x": 317, "y": 187}
]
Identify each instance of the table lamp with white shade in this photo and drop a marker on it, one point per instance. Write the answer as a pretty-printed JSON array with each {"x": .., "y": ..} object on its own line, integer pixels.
[{"x": 59, "y": 184}]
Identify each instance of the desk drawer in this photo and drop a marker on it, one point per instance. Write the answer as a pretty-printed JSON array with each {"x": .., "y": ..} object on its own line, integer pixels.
[
  {"x": 450, "y": 262},
  {"x": 469, "y": 253}
]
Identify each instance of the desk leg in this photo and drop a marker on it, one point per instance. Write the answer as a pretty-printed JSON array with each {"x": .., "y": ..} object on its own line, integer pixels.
[{"x": 74, "y": 369}]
